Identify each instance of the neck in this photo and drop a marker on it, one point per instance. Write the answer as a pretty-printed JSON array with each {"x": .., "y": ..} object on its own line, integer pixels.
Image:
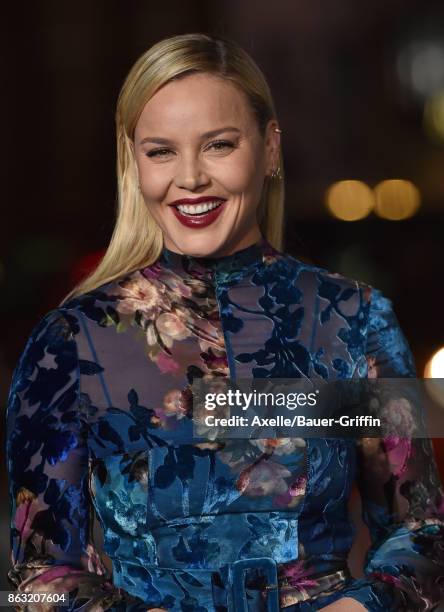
[
  {"x": 252, "y": 237},
  {"x": 240, "y": 258}
]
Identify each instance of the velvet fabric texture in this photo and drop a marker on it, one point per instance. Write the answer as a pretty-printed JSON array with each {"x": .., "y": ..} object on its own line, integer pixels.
[{"x": 99, "y": 432}]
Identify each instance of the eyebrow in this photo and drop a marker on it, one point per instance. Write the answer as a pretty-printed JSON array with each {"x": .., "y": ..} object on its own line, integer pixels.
[{"x": 209, "y": 134}]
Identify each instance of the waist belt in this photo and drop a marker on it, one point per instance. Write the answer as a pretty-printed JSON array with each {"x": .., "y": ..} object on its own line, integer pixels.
[
  {"x": 261, "y": 585},
  {"x": 246, "y": 585}
]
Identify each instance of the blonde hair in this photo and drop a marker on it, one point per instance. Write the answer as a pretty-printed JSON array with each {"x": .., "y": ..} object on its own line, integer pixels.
[{"x": 137, "y": 240}]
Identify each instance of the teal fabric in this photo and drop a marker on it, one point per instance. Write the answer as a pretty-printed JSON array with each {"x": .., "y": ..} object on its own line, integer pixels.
[{"x": 99, "y": 427}]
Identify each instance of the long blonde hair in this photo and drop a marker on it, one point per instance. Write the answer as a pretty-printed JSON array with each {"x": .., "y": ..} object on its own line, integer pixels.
[{"x": 137, "y": 240}]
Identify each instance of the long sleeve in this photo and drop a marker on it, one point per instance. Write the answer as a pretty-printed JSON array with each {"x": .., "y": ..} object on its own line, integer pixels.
[
  {"x": 51, "y": 511},
  {"x": 402, "y": 497}
]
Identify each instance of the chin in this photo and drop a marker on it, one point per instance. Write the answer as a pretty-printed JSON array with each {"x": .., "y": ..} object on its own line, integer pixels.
[{"x": 204, "y": 246}]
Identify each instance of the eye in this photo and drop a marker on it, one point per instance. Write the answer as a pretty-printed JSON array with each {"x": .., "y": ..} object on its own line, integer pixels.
[
  {"x": 219, "y": 145},
  {"x": 157, "y": 153}
]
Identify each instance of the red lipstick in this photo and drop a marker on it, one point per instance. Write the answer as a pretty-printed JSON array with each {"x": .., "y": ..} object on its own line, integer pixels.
[{"x": 198, "y": 219}]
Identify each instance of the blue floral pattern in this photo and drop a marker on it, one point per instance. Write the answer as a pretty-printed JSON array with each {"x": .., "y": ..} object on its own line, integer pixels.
[{"x": 100, "y": 432}]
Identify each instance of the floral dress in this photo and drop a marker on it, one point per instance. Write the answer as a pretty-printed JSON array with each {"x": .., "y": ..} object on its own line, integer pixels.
[{"x": 114, "y": 500}]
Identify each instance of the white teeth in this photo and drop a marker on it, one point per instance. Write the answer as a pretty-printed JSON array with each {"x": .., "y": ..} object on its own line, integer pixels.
[{"x": 196, "y": 209}]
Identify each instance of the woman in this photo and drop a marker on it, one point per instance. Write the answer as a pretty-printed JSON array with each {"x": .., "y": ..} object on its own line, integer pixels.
[{"x": 194, "y": 285}]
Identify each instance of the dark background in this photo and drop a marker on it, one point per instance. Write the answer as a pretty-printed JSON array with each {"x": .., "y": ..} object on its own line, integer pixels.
[{"x": 345, "y": 113}]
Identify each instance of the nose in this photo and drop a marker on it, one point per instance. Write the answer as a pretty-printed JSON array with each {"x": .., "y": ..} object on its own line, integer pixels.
[{"x": 190, "y": 174}]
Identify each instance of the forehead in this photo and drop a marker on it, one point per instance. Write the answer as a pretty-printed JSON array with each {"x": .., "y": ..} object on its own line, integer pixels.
[{"x": 194, "y": 103}]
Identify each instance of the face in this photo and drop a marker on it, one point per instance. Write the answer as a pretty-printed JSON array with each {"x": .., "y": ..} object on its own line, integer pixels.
[{"x": 201, "y": 162}]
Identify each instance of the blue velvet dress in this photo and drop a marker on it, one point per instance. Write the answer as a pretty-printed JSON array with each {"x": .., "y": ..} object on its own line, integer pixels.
[{"x": 105, "y": 471}]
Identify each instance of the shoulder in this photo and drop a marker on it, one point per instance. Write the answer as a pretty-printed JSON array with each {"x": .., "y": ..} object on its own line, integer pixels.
[
  {"x": 373, "y": 307},
  {"x": 101, "y": 305},
  {"x": 57, "y": 329},
  {"x": 329, "y": 283},
  {"x": 368, "y": 310},
  {"x": 51, "y": 333},
  {"x": 377, "y": 307},
  {"x": 48, "y": 363}
]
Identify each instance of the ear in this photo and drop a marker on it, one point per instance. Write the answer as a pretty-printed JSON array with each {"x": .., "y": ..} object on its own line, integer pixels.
[{"x": 272, "y": 146}]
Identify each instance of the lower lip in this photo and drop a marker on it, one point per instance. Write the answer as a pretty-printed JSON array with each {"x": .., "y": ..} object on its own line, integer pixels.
[{"x": 197, "y": 221}]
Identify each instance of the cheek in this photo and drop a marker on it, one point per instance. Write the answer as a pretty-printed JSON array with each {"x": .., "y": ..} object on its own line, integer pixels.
[
  {"x": 242, "y": 177},
  {"x": 153, "y": 182}
]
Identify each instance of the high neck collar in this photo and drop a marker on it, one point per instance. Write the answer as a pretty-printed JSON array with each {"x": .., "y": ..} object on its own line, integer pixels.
[{"x": 243, "y": 258}]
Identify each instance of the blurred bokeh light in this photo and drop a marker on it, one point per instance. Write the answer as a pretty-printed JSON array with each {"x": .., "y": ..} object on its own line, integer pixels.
[
  {"x": 349, "y": 200},
  {"x": 421, "y": 66},
  {"x": 396, "y": 199},
  {"x": 434, "y": 117},
  {"x": 435, "y": 366},
  {"x": 434, "y": 372},
  {"x": 85, "y": 265}
]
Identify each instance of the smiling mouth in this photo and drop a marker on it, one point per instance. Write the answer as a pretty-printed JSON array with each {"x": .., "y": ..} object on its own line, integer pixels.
[
  {"x": 198, "y": 216},
  {"x": 195, "y": 210}
]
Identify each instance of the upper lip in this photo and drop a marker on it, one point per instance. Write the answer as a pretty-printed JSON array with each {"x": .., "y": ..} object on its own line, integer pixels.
[{"x": 196, "y": 200}]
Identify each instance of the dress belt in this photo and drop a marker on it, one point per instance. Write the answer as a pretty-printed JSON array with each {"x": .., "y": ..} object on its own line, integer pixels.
[
  {"x": 276, "y": 589},
  {"x": 255, "y": 584},
  {"x": 326, "y": 584}
]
